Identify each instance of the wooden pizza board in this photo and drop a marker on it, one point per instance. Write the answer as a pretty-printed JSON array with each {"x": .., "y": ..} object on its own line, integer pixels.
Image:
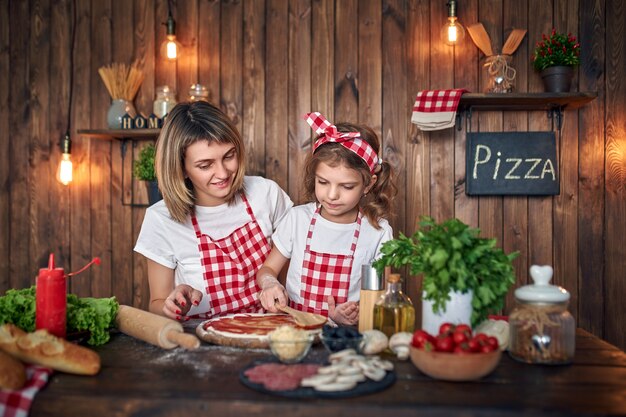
[{"x": 250, "y": 330}]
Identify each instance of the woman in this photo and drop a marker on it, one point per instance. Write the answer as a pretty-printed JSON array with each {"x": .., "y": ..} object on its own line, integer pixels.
[{"x": 211, "y": 233}]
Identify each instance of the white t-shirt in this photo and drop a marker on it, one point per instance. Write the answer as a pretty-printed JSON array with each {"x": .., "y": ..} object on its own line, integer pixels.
[
  {"x": 175, "y": 245},
  {"x": 328, "y": 237}
]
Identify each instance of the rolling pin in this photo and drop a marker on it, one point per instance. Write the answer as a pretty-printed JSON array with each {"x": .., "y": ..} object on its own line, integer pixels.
[{"x": 157, "y": 330}]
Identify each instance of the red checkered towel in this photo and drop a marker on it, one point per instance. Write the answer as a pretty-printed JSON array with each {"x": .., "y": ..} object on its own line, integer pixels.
[
  {"x": 17, "y": 403},
  {"x": 436, "y": 109}
]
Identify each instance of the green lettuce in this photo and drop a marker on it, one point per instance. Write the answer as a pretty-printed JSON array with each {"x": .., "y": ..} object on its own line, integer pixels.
[{"x": 96, "y": 315}]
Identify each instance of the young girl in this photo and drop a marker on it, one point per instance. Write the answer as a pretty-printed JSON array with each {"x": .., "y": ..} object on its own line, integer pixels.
[
  {"x": 343, "y": 228},
  {"x": 211, "y": 233}
]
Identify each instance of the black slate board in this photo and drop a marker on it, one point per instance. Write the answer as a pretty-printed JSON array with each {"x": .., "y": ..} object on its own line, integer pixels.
[
  {"x": 362, "y": 388},
  {"x": 511, "y": 163}
]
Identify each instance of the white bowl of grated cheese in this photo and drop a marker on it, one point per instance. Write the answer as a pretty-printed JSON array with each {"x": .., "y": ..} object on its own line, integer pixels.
[{"x": 290, "y": 345}]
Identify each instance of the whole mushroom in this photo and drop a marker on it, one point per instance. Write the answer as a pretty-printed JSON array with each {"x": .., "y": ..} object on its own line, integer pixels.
[
  {"x": 375, "y": 342},
  {"x": 399, "y": 343}
]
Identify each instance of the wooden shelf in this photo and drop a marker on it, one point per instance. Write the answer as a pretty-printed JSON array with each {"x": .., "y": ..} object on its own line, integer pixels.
[
  {"x": 524, "y": 101},
  {"x": 120, "y": 134}
]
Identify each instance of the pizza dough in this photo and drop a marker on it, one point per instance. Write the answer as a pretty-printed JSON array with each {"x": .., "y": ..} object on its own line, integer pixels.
[{"x": 247, "y": 330}]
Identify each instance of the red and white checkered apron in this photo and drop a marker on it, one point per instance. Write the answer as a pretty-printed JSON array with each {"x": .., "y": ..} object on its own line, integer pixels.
[
  {"x": 325, "y": 274},
  {"x": 230, "y": 267}
]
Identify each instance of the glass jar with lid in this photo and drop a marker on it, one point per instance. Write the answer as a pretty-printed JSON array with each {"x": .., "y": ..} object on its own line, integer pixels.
[
  {"x": 542, "y": 331},
  {"x": 164, "y": 102},
  {"x": 198, "y": 92}
]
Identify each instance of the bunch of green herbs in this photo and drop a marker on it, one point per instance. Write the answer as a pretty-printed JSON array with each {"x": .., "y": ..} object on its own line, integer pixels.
[
  {"x": 95, "y": 315},
  {"x": 452, "y": 257},
  {"x": 143, "y": 166}
]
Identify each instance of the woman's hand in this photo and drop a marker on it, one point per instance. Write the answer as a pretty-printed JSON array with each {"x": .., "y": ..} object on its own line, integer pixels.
[
  {"x": 346, "y": 313},
  {"x": 272, "y": 292},
  {"x": 178, "y": 303}
]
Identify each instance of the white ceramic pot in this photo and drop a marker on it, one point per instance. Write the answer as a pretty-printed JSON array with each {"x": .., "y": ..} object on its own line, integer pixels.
[{"x": 457, "y": 310}]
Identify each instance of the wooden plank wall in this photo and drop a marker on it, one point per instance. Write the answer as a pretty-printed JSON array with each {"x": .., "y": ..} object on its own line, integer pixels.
[{"x": 266, "y": 62}]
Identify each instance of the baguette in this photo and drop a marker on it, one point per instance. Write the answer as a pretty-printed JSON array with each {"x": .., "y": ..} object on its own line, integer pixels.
[
  {"x": 12, "y": 372},
  {"x": 42, "y": 348}
]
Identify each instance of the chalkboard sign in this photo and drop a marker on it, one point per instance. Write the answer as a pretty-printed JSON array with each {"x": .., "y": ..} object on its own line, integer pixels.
[{"x": 512, "y": 163}]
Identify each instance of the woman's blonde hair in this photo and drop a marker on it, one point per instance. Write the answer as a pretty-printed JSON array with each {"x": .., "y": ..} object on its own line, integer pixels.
[
  {"x": 188, "y": 123},
  {"x": 377, "y": 203}
]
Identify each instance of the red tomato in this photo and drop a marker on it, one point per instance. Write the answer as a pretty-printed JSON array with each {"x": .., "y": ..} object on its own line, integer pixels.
[
  {"x": 473, "y": 345},
  {"x": 463, "y": 348},
  {"x": 493, "y": 342},
  {"x": 481, "y": 337},
  {"x": 463, "y": 328},
  {"x": 444, "y": 344},
  {"x": 486, "y": 349},
  {"x": 446, "y": 328},
  {"x": 420, "y": 337},
  {"x": 459, "y": 337}
]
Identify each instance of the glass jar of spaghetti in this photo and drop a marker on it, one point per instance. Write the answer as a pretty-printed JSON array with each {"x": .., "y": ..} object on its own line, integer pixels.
[{"x": 542, "y": 329}]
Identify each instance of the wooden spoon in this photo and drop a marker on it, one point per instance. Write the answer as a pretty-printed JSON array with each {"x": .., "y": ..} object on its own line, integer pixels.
[
  {"x": 481, "y": 38},
  {"x": 513, "y": 41},
  {"x": 303, "y": 318}
]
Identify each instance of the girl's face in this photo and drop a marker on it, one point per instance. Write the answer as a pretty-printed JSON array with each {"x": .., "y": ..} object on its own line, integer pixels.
[
  {"x": 211, "y": 167},
  {"x": 339, "y": 190}
]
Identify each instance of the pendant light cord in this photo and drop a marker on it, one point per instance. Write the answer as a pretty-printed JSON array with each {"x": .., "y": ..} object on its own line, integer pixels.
[{"x": 71, "y": 80}]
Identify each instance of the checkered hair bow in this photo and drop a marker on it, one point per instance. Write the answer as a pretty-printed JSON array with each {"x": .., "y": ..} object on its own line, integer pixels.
[{"x": 349, "y": 140}]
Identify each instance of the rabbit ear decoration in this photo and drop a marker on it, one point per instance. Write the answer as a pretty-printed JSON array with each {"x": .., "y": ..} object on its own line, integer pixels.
[{"x": 349, "y": 140}]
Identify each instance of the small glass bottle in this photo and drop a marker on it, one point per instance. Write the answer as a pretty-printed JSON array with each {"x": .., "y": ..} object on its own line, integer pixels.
[
  {"x": 542, "y": 331},
  {"x": 394, "y": 311},
  {"x": 198, "y": 92},
  {"x": 164, "y": 102}
]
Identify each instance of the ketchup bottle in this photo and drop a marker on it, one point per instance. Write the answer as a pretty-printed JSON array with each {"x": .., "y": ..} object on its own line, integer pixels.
[{"x": 51, "y": 299}]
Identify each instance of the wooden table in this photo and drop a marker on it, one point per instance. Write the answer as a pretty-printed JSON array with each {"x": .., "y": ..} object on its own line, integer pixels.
[{"x": 142, "y": 380}]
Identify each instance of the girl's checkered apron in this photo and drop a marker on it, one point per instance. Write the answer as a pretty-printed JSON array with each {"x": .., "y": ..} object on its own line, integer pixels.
[
  {"x": 325, "y": 274},
  {"x": 230, "y": 267}
]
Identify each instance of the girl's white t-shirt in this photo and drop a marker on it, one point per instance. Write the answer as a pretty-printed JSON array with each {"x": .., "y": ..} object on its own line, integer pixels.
[
  {"x": 175, "y": 245},
  {"x": 328, "y": 237}
]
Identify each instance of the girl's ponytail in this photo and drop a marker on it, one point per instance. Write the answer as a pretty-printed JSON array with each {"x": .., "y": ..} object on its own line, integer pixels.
[{"x": 377, "y": 204}]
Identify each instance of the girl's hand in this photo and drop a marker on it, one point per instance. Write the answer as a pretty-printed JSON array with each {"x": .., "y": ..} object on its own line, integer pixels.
[
  {"x": 272, "y": 292},
  {"x": 178, "y": 303},
  {"x": 346, "y": 313}
]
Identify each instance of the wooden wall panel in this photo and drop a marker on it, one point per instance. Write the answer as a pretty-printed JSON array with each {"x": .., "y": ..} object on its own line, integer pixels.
[
  {"x": 299, "y": 93},
  {"x": 490, "y": 208},
  {"x": 591, "y": 220},
  {"x": 346, "y": 61},
  {"x": 322, "y": 60},
  {"x": 80, "y": 204},
  {"x": 515, "y": 208},
  {"x": 276, "y": 98},
  {"x": 266, "y": 63},
  {"x": 466, "y": 75},
  {"x": 5, "y": 154},
  {"x": 565, "y": 206},
  {"x": 254, "y": 85},
  {"x": 100, "y": 158},
  {"x": 615, "y": 167},
  {"x": 19, "y": 141},
  {"x": 38, "y": 81}
]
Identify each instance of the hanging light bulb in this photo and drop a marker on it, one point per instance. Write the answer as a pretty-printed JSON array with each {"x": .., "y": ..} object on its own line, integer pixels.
[
  {"x": 170, "y": 48},
  {"x": 64, "y": 173},
  {"x": 452, "y": 32}
]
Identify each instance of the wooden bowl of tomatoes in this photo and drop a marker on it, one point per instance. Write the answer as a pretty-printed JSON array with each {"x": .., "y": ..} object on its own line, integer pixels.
[{"x": 455, "y": 354}]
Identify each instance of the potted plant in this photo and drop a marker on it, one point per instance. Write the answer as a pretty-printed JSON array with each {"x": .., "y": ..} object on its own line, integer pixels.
[
  {"x": 555, "y": 57},
  {"x": 143, "y": 170},
  {"x": 453, "y": 259}
]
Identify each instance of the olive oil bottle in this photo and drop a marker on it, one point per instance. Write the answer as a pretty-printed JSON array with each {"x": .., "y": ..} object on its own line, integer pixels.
[{"x": 394, "y": 311}]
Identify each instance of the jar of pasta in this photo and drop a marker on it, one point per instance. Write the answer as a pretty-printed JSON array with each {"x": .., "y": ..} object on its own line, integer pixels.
[{"x": 542, "y": 331}]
